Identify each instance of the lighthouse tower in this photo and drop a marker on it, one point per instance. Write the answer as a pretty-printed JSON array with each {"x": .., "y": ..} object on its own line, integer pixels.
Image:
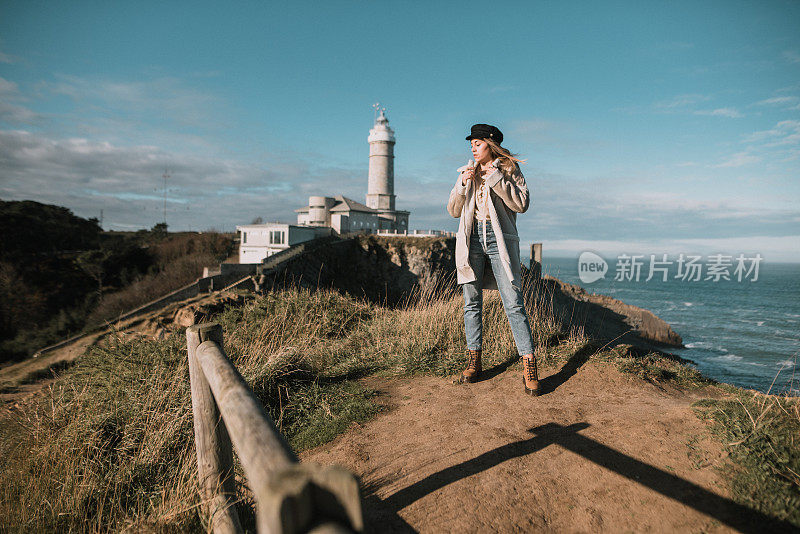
[{"x": 380, "y": 191}]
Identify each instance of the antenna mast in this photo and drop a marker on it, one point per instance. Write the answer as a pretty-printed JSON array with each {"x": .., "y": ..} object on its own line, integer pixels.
[{"x": 165, "y": 176}]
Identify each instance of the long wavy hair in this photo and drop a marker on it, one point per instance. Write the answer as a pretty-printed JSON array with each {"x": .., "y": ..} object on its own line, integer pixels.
[{"x": 508, "y": 162}]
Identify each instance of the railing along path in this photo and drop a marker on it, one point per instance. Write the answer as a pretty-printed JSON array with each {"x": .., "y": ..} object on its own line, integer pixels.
[{"x": 290, "y": 497}]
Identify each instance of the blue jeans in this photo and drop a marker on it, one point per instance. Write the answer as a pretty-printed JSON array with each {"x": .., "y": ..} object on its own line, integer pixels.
[{"x": 513, "y": 303}]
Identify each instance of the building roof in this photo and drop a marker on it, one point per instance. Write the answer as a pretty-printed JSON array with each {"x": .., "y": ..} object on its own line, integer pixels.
[
  {"x": 348, "y": 204},
  {"x": 263, "y": 226},
  {"x": 343, "y": 204}
]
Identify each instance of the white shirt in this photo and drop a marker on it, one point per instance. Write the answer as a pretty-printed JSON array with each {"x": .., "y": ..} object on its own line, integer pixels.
[{"x": 481, "y": 199}]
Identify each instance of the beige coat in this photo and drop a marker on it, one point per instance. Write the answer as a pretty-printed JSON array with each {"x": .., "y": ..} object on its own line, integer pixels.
[{"x": 509, "y": 196}]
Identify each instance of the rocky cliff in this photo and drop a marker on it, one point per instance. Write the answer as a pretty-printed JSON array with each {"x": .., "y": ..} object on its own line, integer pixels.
[
  {"x": 392, "y": 270},
  {"x": 606, "y": 319},
  {"x": 386, "y": 270}
]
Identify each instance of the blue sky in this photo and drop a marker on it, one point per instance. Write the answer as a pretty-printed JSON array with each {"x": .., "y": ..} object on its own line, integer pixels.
[{"x": 655, "y": 127}]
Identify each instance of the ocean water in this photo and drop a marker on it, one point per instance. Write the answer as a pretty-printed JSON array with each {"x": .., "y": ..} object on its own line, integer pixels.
[{"x": 745, "y": 333}]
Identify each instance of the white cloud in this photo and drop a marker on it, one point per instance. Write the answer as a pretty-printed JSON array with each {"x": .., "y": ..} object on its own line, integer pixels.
[
  {"x": 784, "y": 133},
  {"x": 535, "y": 127},
  {"x": 778, "y": 100},
  {"x": 206, "y": 192},
  {"x": 502, "y": 88},
  {"x": 16, "y": 114},
  {"x": 560, "y": 137},
  {"x": 792, "y": 56},
  {"x": 681, "y": 101},
  {"x": 87, "y": 176},
  {"x": 688, "y": 103},
  {"x": 774, "y": 147},
  {"x": 11, "y": 110},
  {"x": 721, "y": 112},
  {"x": 789, "y": 88},
  {"x": 165, "y": 98},
  {"x": 8, "y": 88},
  {"x": 739, "y": 159},
  {"x": 645, "y": 210}
]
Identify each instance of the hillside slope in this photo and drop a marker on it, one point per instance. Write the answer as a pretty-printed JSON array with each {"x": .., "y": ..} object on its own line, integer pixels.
[{"x": 612, "y": 444}]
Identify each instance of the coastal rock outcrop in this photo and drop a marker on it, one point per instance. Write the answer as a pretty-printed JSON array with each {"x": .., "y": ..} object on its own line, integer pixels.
[{"x": 606, "y": 318}]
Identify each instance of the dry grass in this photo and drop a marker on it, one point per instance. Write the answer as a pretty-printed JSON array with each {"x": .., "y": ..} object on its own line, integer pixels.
[
  {"x": 109, "y": 447},
  {"x": 762, "y": 435},
  {"x": 177, "y": 274},
  {"x": 105, "y": 447},
  {"x": 178, "y": 260}
]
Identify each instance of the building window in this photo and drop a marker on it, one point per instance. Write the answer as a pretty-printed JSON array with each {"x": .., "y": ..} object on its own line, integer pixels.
[
  {"x": 276, "y": 237},
  {"x": 244, "y": 237}
]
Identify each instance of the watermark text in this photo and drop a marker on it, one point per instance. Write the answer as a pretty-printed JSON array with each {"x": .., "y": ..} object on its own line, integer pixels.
[{"x": 684, "y": 267}]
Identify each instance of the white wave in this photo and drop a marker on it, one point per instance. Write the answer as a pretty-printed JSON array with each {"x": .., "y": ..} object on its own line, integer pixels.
[
  {"x": 749, "y": 321},
  {"x": 707, "y": 345},
  {"x": 785, "y": 363},
  {"x": 728, "y": 358},
  {"x": 782, "y": 333},
  {"x": 698, "y": 345},
  {"x": 688, "y": 304}
]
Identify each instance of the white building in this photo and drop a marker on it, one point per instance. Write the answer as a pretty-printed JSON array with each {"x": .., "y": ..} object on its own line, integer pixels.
[
  {"x": 339, "y": 214},
  {"x": 346, "y": 215},
  {"x": 260, "y": 241}
]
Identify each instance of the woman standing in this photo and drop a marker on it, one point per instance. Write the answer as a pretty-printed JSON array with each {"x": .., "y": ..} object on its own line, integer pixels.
[{"x": 487, "y": 197}]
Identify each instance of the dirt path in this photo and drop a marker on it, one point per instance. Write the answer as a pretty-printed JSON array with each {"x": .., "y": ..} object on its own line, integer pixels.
[
  {"x": 22, "y": 379},
  {"x": 599, "y": 452}
]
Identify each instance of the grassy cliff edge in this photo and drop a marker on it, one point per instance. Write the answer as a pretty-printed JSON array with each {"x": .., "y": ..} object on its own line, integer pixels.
[{"x": 109, "y": 446}]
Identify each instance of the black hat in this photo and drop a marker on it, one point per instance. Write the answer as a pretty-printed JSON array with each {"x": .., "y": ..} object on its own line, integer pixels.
[{"x": 485, "y": 131}]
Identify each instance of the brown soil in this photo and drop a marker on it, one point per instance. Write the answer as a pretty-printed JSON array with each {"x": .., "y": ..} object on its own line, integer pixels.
[{"x": 599, "y": 451}]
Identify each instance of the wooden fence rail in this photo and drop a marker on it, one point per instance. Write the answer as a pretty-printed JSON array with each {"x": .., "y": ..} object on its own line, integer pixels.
[{"x": 290, "y": 497}]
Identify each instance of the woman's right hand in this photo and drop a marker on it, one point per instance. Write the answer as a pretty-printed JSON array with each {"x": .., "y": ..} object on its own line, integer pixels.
[{"x": 468, "y": 173}]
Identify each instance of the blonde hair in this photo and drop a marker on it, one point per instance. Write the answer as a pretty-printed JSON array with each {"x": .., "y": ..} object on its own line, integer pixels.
[{"x": 508, "y": 162}]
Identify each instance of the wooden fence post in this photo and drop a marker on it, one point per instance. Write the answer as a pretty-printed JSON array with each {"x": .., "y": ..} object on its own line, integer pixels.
[
  {"x": 214, "y": 451},
  {"x": 290, "y": 497},
  {"x": 536, "y": 260}
]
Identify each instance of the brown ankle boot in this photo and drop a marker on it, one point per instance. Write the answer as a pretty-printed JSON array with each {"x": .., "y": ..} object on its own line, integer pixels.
[
  {"x": 473, "y": 370},
  {"x": 530, "y": 375}
]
